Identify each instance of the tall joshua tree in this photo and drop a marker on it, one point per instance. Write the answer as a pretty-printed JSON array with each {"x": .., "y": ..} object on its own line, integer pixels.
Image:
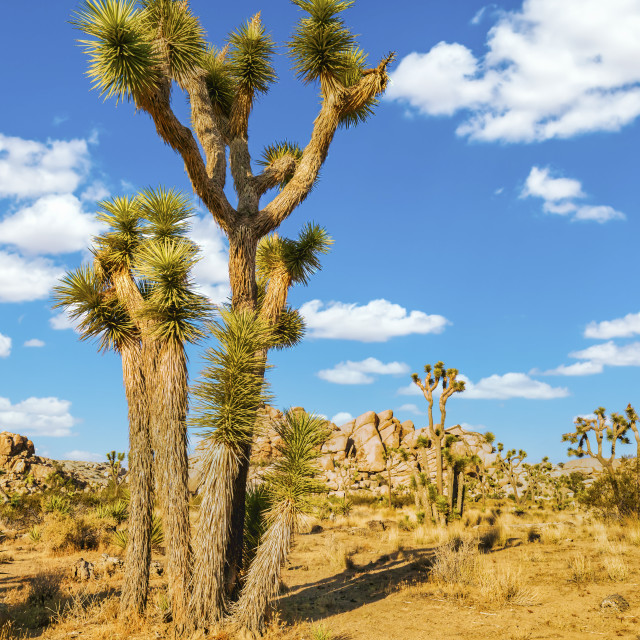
[
  {"x": 450, "y": 385},
  {"x": 143, "y": 261},
  {"x": 100, "y": 313},
  {"x": 138, "y": 52}
]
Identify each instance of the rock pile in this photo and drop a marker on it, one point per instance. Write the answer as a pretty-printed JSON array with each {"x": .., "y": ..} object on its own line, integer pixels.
[
  {"x": 355, "y": 454},
  {"x": 21, "y": 471}
]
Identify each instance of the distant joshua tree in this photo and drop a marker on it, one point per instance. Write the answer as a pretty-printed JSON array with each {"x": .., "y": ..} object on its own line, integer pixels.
[
  {"x": 450, "y": 385},
  {"x": 510, "y": 466},
  {"x": 614, "y": 430}
]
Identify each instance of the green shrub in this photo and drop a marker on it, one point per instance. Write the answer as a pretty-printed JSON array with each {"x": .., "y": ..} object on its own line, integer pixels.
[
  {"x": 614, "y": 495},
  {"x": 57, "y": 504}
]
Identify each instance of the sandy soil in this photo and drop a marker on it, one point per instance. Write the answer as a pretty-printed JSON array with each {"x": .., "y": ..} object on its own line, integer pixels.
[{"x": 361, "y": 584}]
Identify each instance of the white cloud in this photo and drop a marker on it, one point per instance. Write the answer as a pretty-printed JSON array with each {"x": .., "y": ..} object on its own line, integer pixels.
[
  {"x": 552, "y": 70},
  {"x": 24, "y": 279},
  {"x": 85, "y": 456},
  {"x": 52, "y": 224},
  {"x": 410, "y": 408},
  {"x": 29, "y": 169},
  {"x": 611, "y": 354},
  {"x": 34, "y": 342},
  {"x": 212, "y": 271},
  {"x": 617, "y": 328},
  {"x": 512, "y": 385},
  {"x": 62, "y": 321},
  {"x": 5, "y": 346},
  {"x": 341, "y": 418},
  {"x": 37, "y": 417},
  {"x": 361, "y": 372},
  {"x": 559, "y": 196},
  {"x": 377, "y": 321},
  {"x": 499, "y": 387},
  {"x": 576, "y": 369}
]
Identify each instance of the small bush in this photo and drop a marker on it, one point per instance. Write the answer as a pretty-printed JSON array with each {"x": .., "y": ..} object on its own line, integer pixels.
[
  {"x": 35, "y": 534},
  {"x": 533, "y": 535},
  {"x": 420, "y": 517},
  {"x": 43, "y": 588},
  {"x": 617, "y": 569},
  {"x": 492, "y": 537},
  {"x": 405, "y": 524},
  {"x": 455, "y": 564},
  {"x": 57, "y": 504},
  {"x": 65, "y": 533},
  {"x": 580, "y": 570}
]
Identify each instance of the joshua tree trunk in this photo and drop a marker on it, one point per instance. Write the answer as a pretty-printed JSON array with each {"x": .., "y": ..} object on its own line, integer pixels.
[
  {"x": 460, "y": 504},
  {"x": 219, "y": 475},
  {"x": 138, "y": 557},
  {"x": 439, "y": 482},
  {"x": 170, "y": 404},
  {"x": 450, "y": 482},
  {"x": 263, "y": 578}
]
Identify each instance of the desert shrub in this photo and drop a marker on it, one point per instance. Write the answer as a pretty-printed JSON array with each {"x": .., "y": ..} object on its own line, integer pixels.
[
  {"x": 420, "y": 516},
  {"x": 35, "y": 534},
  {"x": 65, "y": 533},
  {"x": 405, "y": 524},
  {"x": 533, "y": 535},
  {"x": 22, "y": 511},
  {"x": 492, "y": 537},
  {"x": 364, "y": 499},
  {"x": 504, "y": 585},
  {"x": 56, "y": 504},
  {"x": 401, "y": 499},
  {"x": 614, "y": 496},
  {"x": 43, "y": 588},
  {"x": 616, "y": 567},
  {"x": 455, "y": 564},
  {"x": 580, "y": 570}
]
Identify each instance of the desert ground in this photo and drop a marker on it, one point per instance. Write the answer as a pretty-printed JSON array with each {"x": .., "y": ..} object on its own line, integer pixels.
[{"x": 374, "y": 574}]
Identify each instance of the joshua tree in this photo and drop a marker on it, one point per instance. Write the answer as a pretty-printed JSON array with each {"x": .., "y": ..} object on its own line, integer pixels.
[
  {"x": 450, "y": 385},
  {"x": 290, "y": 484},
  {"x": 115, "y": 465},
  {"x": 281, "y": 263},
  {"x": 537, "y": 476},
  {"x": 102, "y": 315},
  {"x": 139, "y": 52},
  {"x": 511, "y": 466},
  {"x": 393, "y": 457},
  {"x": 143, "y": 261},
  {"x": 632, "y": 422},
  {"x": 613, "y": 432}
]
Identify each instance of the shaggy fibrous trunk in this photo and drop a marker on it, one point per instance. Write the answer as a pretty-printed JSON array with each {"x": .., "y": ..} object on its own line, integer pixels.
[
  {"x": 138, "y": 557},
  {"x": 169, "y": 410},
  {"x": 218, "y": 478},
  {"x": 460, "y": 504},
  {"x": 263, "y": 578}
]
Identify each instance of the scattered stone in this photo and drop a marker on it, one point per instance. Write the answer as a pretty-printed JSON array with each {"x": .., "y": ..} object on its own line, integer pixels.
[
  {"x": 82, "y": 570},
  {"x": 110, "y": 564},
  {"x": 376, "y": 525},
  {"x": 614, "y": 602},
  {"x": 156, "y": 569}
]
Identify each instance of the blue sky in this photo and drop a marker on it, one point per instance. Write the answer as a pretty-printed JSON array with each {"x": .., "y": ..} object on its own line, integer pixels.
[{"x": 487, "y": 216}]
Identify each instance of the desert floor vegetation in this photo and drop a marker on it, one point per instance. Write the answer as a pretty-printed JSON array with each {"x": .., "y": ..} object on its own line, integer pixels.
[{"x": 364, "y": 575}]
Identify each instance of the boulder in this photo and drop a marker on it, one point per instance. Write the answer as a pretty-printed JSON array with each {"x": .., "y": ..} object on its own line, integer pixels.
[
  {"x": 406, "y": 428},
  {"x": 82, "y": 570},
  {"x": 337, "y": 442},
  {"x": 383, "y": 416},
  {"x": 370, "y": 417},
  {"x": 615, "y": 603},
  {"x": 370, "y": 455}
]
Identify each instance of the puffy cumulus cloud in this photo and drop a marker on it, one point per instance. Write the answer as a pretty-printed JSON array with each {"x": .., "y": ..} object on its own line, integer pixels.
[
  {"x": 211, "y": 272},
  {"x": 5, "y": 346},
  {"x": 342, "y": 417},
  {"x": 551, "y": 70},
  {"x": 617, "y": 328},
  {"x": 52, "y": 224},
  {"x": 37, "y": 417},
  {"x": 29, "y": 169},
  {"x": 512, "y": 385},
  {"x": 362, "y": 372},
  {"x": 559, "y": 196},
  {"x": 376, "y": 321},
  {"x": 34, "y": 342},
  {"x": 611, "y": 354},
  {"x": 23, "y": 279},
  {"x": 84, "y": 456}
]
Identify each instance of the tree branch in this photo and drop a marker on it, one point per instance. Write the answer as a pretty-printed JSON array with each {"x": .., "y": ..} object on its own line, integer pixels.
[{"x": 275, "y": 174}]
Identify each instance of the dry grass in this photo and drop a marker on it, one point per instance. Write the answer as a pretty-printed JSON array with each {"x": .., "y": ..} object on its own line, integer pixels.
[
  {"x": 616, "y": 568},
  {"x": 580, "y": 569}
]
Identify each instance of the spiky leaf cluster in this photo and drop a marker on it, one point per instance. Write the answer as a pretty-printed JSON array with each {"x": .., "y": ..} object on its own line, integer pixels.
[
  {"x": 299, "y": 258},
  {"x": 221, "y": 85},
  {"x": 251, "y": 50},
  {"x": 257, "y": 505},
  {"x": 274, "y": 152},
  {"x": 292, "y": 478},
  {"x": 175, "y": 309},
  {"x": 232, "y": 386},
  {"x": 117, "y": 246},
  {"x": 98, "y": 313},
  {"x": 122, "y": 61},
  {"x": 177, "y": 33},
  {"x": 321, "y": 44},
  {"x": 289, "y": 330},
  {"x": 167, "y": 212}
]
